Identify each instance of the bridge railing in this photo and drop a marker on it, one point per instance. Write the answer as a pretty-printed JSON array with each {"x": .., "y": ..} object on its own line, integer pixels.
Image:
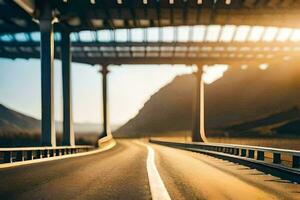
[
  {"x": 282, "y": 158},
  {"x": 18, "y": 154}
]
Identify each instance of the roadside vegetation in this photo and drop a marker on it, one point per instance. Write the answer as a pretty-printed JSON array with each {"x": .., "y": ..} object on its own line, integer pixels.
[{"x": 28, "y": 139}]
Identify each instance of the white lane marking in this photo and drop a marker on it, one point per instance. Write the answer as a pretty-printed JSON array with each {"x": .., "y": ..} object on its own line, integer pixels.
[{"x": 157, "y": 187}]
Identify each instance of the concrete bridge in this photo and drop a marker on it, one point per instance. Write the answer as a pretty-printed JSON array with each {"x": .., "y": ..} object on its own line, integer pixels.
[{"x": 191, "y": 32}]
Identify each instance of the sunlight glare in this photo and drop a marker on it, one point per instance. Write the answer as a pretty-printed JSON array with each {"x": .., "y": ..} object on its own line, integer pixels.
[
  {"x": 168, "y": 34},
  {"x": 86, "y": 36},
  {"x": 198, "y": 33},
  {"x": 244, "y": 67},
  {"x": 153, "y": 34},
  {"x": 137, "y": 35},
  {"x": 227, "y": 33},
  {"x": 213, "y": 32},
  {"x": 263, "y": 66},
  {"x": 283, "y": 34},
  {"x": 256, "y": 33},
  {"x": 241, "y": 33},
  {"x": 295, "y": 37},
  {"x": 104, "y": 36},
  {"x": 121, "y": 35},
  {"x": 270, "y": 34},
  {"x": 183, "y": 33},
  {"x": 214, "y": 72}
]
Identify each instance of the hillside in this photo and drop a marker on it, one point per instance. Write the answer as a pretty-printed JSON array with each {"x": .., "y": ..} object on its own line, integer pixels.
[
  {"x": 289, "y": 128},
  {"x": 12, "y": 121},
  {"x": 282, "y": 123},
  {"x": 238, "y": 97}
]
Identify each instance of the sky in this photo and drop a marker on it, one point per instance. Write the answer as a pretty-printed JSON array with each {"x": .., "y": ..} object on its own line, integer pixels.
[{"x": 129, "y": 88}]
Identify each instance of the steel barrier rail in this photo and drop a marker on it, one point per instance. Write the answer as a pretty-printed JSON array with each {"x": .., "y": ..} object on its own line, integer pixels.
[
  {"x": 282, "y": 159},
  {"x": 18, "y": 154},
  {"x": 106, "y": 141}
]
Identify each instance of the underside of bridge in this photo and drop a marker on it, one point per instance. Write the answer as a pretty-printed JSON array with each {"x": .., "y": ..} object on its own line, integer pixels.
[{"x": 190, "y": 32}]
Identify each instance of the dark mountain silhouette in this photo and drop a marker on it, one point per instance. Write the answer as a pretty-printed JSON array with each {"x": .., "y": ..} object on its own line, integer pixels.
[
  {"x": 277, "y": 124},
  {"x": 12, "y": 121},
  {"x": 288, "y": 115},
  {"x": 19, "y": 130},
  {"x": 289, "y": 128},
  {"x": 240, "y": 96}
]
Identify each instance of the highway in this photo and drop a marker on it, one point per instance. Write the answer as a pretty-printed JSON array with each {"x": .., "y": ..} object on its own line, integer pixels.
[{"x": 122, "y": 173}]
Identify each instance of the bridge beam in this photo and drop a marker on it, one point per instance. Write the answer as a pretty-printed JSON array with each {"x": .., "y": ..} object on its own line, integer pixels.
[
  {"x": 198, "y": 134},
  {"x": 106, "y": 124},
  {"x": 47, "y": 55},
  {"x": 66, "y": 59}
]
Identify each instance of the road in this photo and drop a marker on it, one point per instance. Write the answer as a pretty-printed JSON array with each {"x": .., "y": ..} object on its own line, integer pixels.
[{"x": 121, "y": 173}]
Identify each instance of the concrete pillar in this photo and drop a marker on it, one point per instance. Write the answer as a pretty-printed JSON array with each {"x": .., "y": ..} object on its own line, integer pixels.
[
  {"x": 198, "y": 134},
  {"x": 47, "y": 56},
  {"x": 66, "y": 59},
  {"x": 106, "y": 124}
]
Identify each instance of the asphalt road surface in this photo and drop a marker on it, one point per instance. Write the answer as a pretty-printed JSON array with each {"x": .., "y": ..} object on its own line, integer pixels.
[{"x": 122, "y": 173}]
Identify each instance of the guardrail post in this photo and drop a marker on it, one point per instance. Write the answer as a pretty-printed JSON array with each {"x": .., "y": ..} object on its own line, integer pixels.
[
  {"x": 260, "y": 155},
  {"x": 223, "y": 149},
  {"x": 29, "y": 155},
  {"x": 19, "y": 156},
  {"x": 243, "y": 152},
  {"x": 57, "y": 152},
  {"x": 45, "y": 153},
  {"x": 251, "y": 153},
  {"x": 233, "y": 151},
  {"x": 237, "y": 152},
  {"x": 51, "y": 152},
  {"x": 277, "y": 158},
  {"x": 39, "y": 154},
  {"x": 296, "y": 162},
  {"x": 7, "y": 157}
]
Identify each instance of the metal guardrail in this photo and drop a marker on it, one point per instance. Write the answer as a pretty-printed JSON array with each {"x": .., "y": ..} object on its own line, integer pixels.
[
  {"x": 282, "y": 159},
  {"x": 18, "y": 154},
  {"x": 102, "y": 142}
]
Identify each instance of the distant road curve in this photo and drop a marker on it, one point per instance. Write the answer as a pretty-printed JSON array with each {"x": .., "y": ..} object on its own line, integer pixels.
[{"x": 121, "y": 173}]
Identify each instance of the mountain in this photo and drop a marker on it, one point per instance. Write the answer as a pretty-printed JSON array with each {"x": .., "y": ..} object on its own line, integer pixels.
[
  {"x": 239, "y": 96},
  {"x": 289, "y": 128},
  {"x": 13, "y": 121},
  {"x": 282, "y": 123},
  {"x": 280, "y": 117}
]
